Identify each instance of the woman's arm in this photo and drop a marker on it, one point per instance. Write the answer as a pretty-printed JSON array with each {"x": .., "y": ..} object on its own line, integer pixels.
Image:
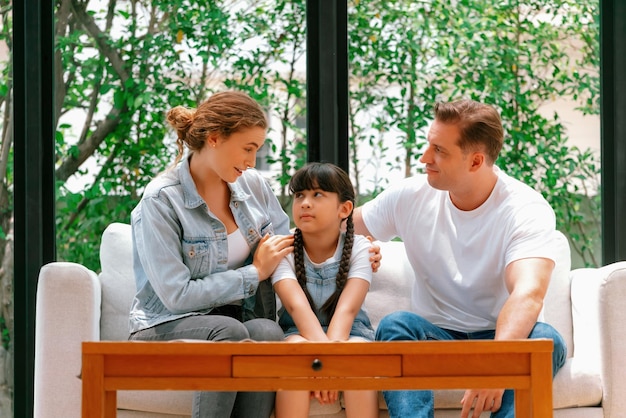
[
  {"x": 295, "y": 302},
  {"x": 348, "y": 307}
]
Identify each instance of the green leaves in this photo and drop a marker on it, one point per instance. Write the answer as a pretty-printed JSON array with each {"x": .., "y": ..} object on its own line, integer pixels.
[
  {"x": 515, "y": 56},
  {"x": 403, "y": 57}
]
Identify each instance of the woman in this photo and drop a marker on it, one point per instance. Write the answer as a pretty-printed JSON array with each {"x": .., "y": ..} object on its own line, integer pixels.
[{"x": 207, "y": 235}]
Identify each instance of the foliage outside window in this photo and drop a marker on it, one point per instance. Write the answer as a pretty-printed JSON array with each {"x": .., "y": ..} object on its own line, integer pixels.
[{"x": 120, "y": 65}]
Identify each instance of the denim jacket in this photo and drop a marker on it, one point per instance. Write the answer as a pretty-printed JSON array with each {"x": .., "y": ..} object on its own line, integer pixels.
[{"x": 180, "y": 249}]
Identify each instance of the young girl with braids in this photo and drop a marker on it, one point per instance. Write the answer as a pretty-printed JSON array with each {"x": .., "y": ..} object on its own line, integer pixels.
[{"x": 323, "y": 284}]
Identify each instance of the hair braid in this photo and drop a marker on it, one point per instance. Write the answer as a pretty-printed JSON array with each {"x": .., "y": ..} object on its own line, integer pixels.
[
  {"x": 298, "y": 257},
  {"x": 344, "y": 266}
]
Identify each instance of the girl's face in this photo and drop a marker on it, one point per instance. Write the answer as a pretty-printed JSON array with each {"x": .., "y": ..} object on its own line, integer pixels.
[
  {"x": 317, "y": 210},
  {"x": 230, "y": 157}
]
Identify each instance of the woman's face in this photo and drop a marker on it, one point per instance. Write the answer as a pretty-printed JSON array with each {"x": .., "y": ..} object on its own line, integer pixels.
[{"x": 231, "y": 156}]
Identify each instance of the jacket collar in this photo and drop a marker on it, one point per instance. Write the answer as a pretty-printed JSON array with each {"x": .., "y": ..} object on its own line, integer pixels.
[{"x": 191, "y": 196}]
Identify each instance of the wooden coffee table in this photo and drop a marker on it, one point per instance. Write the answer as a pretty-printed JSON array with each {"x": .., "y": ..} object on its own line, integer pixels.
[{"x": 523, "y": 365}]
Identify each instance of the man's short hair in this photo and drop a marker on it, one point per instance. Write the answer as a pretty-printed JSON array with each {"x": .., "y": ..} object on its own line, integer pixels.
[{"x": 479, "y": 124}]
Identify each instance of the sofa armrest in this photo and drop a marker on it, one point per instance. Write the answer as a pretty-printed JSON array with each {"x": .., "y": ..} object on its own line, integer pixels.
[
  {"x": 612, "y": 330},
  {"x": 67, "y": 313}
]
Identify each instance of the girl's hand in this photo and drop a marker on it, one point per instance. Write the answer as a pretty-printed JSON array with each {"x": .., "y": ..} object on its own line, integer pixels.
[
  {"x": 270, "y": 251},
  {"x": 325, "y": 396},
  {"x": 376, "y": 256}
]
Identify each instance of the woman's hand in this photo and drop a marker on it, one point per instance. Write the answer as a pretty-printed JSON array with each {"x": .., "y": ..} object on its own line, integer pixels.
[
  {"x": 270, "y": 251},
  {"x": 376, "y": 255}
]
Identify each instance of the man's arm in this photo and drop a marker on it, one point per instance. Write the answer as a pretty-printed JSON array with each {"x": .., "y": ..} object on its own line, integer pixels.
[
  {"x": 359, "y": 224},
  {"x": 527, "y": 281}
]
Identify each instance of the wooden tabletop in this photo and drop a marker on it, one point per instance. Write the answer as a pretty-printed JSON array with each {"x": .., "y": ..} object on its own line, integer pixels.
[{"x": 523, "y": 365}]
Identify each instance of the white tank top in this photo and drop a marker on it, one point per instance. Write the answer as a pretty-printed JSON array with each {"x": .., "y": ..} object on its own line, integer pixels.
[{"x": 238, "y": 249}]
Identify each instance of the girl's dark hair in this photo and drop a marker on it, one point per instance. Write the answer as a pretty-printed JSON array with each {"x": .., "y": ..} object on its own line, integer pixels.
[{"x": 330, "y": 178}]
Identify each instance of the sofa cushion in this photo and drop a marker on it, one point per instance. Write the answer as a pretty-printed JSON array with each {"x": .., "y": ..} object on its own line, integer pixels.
[
  {"x": 390, "y": 291},
  {"x": 391, "y": 287},
  {"x": 66, "y": 296}
]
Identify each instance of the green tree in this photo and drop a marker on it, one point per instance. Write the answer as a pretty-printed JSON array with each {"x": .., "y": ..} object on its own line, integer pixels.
[
  {"x": 6, "y": 211},
  {"x": 271, "y": 72},
  {"x": 122, "y": 66},
  {"x": 529, "y": 53},
  {"x": 516, "y": 55}
]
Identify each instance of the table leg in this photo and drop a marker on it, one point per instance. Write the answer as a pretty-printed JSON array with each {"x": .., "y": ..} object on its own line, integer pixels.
[
  {"x": 522, "y": 403},
  {"x": 110, "y": 407},
  {"x": 93, "y": 386},
  {"x": 541, "y": 384}
]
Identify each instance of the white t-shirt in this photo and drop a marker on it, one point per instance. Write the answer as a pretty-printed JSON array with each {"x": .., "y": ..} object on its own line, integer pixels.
[
  {"x": 360, "y": 266},
  {"x": 459, "y": 257}
]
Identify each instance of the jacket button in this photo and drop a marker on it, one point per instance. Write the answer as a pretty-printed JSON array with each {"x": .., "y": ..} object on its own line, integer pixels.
[
  {"x": 236, "y": 204},
  {"x": 250, "y": 231},
  {"x": 192, "y": 253}
]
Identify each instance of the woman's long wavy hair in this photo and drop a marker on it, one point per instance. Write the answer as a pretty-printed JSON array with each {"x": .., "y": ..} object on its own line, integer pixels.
[{"x": 330, "y": 178}]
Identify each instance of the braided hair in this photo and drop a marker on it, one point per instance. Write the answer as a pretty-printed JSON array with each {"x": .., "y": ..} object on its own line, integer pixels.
[{"x": 330, "y": 178}]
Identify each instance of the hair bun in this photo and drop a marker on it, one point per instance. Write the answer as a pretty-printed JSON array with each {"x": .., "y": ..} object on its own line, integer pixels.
[{"x": 181, "y": 119}]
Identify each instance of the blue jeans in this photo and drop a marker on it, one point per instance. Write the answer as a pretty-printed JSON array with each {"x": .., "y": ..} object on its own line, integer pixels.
[{"x": 407, "y": 326}]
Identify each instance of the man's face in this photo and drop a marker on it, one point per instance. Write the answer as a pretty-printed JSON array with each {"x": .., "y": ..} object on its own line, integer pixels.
[{"x": 447, "y": 166}]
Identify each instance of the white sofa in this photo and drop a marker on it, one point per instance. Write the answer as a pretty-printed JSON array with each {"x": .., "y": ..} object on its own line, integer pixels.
[{"x": 75, "y": 304}]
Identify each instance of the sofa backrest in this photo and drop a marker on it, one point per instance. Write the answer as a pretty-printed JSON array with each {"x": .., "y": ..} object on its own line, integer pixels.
[
  {"x": 117, "y": 280},
  {"x": 390, "y": 289},
  {"x": 558, "y": 302}
]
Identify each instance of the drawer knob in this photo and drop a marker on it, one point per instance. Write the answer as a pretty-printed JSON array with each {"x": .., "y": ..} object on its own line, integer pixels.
[{"x": 316, "y": 365}]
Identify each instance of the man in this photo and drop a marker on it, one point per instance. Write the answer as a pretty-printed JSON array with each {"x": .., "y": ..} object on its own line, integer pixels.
[{"x": 480, "y": 243}]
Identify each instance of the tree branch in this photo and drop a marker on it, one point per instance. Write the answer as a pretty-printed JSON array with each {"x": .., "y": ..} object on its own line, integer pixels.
[
  {"x": 70, "y": 164},
  {"x": 101, "y": 40}
]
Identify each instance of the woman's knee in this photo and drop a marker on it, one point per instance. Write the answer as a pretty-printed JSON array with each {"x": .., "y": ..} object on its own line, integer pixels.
[
  {"x": 228, "y": 329},
  {"x": 261, "y": 329}
]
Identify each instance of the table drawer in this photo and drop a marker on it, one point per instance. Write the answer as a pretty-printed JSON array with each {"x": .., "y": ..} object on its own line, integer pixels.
[{"x": 317, "y": 366}]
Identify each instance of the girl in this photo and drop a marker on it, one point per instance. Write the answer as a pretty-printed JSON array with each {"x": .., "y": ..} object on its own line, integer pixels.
[{"x": 323, "y": 284}]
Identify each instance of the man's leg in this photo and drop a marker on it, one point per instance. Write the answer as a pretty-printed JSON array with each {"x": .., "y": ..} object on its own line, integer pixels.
[
  {"x": 543, "y": 330},
  {"x": 407, "y": 326},
  {"x": 540, "y": 330}
]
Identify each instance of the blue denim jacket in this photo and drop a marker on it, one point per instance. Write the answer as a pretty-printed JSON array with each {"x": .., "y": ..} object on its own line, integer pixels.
[{"x": 180, "y": 249}]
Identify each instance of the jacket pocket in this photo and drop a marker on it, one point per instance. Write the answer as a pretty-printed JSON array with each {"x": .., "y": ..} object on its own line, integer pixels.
[
  {"x": 267, "y": 228},
  {"x": 196, "y": 257}
]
